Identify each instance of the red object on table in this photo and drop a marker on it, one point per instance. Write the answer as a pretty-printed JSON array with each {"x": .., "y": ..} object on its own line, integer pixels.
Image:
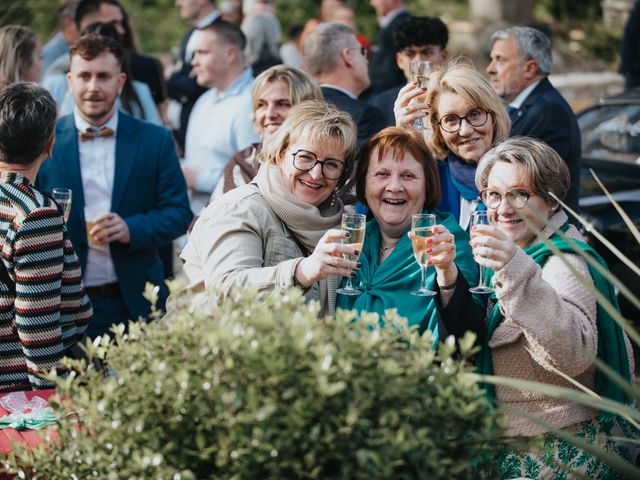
[{"x": 10, "y": 435}]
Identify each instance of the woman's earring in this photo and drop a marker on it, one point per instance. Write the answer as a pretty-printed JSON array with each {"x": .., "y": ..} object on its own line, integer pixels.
[{"x": 333, "y": 197}]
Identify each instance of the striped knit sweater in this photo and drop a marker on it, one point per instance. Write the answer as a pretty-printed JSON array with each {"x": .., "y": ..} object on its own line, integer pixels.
[{"x": 43, "y": 306}]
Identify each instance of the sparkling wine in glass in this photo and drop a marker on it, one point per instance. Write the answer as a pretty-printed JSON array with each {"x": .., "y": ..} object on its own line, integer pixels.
[
  {"x": 421, "y": 71},
  {"x": 355, "y": 224},
  {"x": 481, "y": 217},
  {"x": 62, "y": 196},
  {"x": 421, "y": 229}
]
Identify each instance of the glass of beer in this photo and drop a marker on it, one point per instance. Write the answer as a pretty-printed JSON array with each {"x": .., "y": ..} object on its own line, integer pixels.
[
  {"x": 91, "y": 212},
  {"x": 62, "y": 196},
  {"x": 421, "y": 229},
  {"x": 355, "y": 224},
  {"x": 481, "y": 217}
]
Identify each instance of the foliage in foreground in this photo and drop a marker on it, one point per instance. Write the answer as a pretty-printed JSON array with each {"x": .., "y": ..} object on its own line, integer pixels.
[{"x": 263, "y": 389}]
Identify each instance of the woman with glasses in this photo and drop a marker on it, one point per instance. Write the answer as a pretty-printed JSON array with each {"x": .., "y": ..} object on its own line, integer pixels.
[
  {"x": 544, "y": 324},
  {"x": 466, "y": 119},
  {"x": 396, "y": 177},
  {"x": 280, "y": 230},
  {"x": 274, "y": 92}
]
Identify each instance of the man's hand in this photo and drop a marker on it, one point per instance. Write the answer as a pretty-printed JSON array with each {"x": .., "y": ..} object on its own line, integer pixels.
[{"x": 110, "y": 227}]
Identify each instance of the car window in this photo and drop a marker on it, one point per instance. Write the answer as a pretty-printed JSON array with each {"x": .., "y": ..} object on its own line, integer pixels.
[{"x": 611, "y": 132}]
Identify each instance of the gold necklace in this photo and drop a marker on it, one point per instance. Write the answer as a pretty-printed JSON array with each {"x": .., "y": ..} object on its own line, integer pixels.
[{"x": 384, "y": 249}]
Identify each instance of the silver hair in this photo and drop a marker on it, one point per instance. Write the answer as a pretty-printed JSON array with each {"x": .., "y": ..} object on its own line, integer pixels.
[
  {"x": 532, "y": 45},
  {"x": 263, "y": 34},
  {"x": 323, "y": 45}
]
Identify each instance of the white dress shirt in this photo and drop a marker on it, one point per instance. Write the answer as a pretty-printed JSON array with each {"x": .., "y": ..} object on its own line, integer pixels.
[{"x": 97, "y": 167}]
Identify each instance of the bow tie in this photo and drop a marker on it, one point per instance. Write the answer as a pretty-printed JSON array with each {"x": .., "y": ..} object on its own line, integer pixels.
[{"x": 92, "y": 133}]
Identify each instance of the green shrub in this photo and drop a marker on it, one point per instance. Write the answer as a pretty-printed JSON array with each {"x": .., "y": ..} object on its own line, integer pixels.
[{"x": 262, "y": 389}]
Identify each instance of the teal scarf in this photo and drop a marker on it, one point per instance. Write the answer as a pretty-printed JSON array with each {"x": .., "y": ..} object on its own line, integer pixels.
[
  {"x": 611, "y": 346},
  {"x": 389, "y": 285}
]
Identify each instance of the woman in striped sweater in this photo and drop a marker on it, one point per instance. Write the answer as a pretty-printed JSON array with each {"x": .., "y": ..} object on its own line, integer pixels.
[{"x": 44, "y": 310}]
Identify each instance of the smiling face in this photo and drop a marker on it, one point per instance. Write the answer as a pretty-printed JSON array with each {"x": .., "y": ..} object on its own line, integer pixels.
[
  {"x": 272, "y": 108},
  {"x": 506, "y": 176},
  {"x": 469, "y": 143},
  {"x": 311, "y": 187},
  {"x": 394, "y": 190},
  {"x": 95, "y": 85}
]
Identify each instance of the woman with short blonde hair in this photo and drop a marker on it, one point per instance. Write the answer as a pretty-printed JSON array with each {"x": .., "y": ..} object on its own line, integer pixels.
[{"x": 281, "y": 229}]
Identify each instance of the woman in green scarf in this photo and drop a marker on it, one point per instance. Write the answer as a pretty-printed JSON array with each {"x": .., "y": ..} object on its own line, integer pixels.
[
  {"x": 543, "y": 324},
  {"x": 397, "y": 177}
]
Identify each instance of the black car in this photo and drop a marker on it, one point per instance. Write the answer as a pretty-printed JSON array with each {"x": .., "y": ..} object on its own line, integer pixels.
[{"x": 610, "y": 133}]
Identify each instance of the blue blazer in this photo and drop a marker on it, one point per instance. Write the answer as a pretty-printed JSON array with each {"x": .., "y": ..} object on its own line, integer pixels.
[
  {"x": 149, "y": 193},
  {"x": 547, "y": 116}
]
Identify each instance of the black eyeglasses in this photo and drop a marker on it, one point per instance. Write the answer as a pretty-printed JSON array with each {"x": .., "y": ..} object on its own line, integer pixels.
[
  {"x": 451, "y": 123},
  {"x": 304, "y": 160},
  {"x": 517, "y": 197}
]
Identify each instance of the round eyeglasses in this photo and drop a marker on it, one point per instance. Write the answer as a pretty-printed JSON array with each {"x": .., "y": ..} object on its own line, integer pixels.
[
  {"x": 451, "y": 123},
  {"x": 516, "y": 197},
  {"x": 304, "y": 160}
]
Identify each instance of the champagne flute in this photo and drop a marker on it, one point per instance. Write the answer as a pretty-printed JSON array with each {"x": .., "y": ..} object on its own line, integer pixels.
[
  {"x": 62, "y": 196},
  {"x": 421, "y": 229},
  {"x": 421, "y": 70},
  {"x": 480, "y": 217},
  {"x": 355, "y": 224}
]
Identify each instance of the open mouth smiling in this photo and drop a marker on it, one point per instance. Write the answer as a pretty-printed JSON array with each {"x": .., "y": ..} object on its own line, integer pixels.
[{"x": 310, "y": 185}]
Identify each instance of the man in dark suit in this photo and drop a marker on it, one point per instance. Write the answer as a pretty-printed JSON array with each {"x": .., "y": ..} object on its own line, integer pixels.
[
  {"x": 383, "y": 70},
  {"x": 182, "y": 84},
  {"x": 520, "y": 64},
  {"x": 416, "y": 38},
  {"x": 129, "y": 195},
  {"x": 339, "y": 64}
]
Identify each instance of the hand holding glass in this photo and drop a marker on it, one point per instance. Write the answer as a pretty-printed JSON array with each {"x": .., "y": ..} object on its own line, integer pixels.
[
  {"x": 62, "y": 196},
  {"x": 421, "y": 230},
  {"x": 481, "y": 217},
  {"x": 354, "y": 224}
]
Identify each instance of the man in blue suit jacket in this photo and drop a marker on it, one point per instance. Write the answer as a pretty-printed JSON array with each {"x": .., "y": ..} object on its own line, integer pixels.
[
  {"x": 126, "y": 180},
  {"x": 520, "y": 64}
]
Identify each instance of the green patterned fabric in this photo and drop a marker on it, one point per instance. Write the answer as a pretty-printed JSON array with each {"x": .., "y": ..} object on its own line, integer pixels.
[
  {"x": 389, "y": 285},
  {"x": 611, "y": 345},
  {"x": 561, "y": 460}
]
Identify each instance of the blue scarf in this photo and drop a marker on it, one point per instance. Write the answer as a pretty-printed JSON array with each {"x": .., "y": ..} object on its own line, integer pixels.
[
  {"x": 389, "y": 285},
  {"x": 457, "y": 179}
]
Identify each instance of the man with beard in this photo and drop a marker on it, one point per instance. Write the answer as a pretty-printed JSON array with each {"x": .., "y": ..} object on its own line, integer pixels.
[{"x": 129, "y": 195}]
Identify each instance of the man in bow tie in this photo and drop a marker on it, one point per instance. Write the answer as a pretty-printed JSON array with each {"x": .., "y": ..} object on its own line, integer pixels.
[
  {"x": 520, "y": 65},
  {"x": 129, "y": 194}
]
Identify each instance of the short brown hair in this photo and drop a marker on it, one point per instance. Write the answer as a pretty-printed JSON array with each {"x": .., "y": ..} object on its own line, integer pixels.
[
  {"x": 545, "y": 172},
  {"x": 400, "y": 141},
  {"x": 90, "y": 46}
]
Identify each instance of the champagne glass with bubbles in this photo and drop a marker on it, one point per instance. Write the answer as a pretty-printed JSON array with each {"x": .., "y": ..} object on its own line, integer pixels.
[
  {"x": 62, "y": 196},
  {"x": 481, "y": 217},
  {"x": 421, "y": 71},
  {"x": 421, "y": 230},
  {"x": 355, "y": 224}
]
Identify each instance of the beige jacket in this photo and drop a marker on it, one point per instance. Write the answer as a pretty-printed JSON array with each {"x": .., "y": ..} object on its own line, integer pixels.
[
  {"x": 240, "y": 241},
  {"x": 550, "y": 321}
]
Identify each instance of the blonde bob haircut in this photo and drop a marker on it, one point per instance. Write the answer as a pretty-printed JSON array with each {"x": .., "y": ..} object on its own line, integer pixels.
[
  {"x": 461, "y": 78},
  {"x": 544, "y": 171},
  {"x": 301, "y": 88},
  {"x": 319, "y": 124}
]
